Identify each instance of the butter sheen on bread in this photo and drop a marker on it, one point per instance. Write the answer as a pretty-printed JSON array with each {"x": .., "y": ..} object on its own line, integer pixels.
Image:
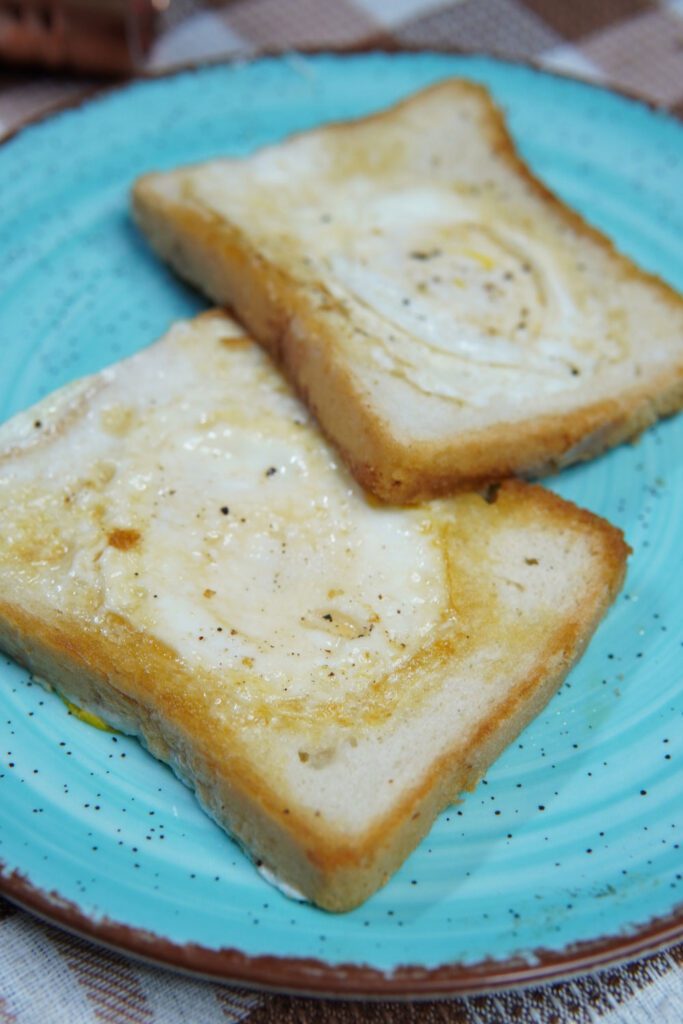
[
  {"x": 182, "y": 556},
  {"x": 449, "y": 321}
]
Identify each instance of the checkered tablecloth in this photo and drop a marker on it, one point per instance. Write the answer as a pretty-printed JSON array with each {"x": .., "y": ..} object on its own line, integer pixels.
[
  {"x": 636, "y": 45},
  {"x": 48, "y": 977}
]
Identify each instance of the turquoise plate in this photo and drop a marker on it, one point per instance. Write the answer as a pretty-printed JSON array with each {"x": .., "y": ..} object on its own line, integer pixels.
[{"x": 568, "y": 854}]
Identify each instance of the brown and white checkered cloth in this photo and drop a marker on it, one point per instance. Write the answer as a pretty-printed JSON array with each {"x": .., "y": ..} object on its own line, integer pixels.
[
  {"x": 47, "y": 977},
  {"x": 634, "y": 44}
]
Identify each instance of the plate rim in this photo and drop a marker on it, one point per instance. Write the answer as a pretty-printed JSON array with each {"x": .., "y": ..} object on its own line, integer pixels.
[
  {"x": 91, "y": 93},
  {"x": 309, "y": 976}
]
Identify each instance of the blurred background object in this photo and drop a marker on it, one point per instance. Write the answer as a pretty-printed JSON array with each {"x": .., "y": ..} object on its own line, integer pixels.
[{"x": 93, "y": 36}]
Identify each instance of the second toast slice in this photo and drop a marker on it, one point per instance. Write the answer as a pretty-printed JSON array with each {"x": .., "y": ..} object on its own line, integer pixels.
[{"x": 448, "y": 320}]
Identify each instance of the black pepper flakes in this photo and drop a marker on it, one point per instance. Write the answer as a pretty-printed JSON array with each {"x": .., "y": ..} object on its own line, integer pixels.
[{"x": 419, "y": 254}]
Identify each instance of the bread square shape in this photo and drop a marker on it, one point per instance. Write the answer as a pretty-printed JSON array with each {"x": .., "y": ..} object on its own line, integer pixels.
[
  {"x": 182, "y": 556},
  {"x": 448, "y": 320}
]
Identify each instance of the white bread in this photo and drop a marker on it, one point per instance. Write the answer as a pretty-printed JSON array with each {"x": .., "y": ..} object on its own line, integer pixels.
[
  {"x": 181, "y": 556},
  {"x": 448, "y": 320}
]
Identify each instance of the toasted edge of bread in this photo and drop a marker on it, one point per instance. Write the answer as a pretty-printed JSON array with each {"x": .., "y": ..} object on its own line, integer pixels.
[{"x": 215, "y": 256}]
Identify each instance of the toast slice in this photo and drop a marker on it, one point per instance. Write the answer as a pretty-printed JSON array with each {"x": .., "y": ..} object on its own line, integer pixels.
[
  {"x": 182, "y": 557},
  {"x": 447, "y": 319}
]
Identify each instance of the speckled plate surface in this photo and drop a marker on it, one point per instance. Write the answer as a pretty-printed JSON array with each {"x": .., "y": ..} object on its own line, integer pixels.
[{"x": 567, "y": 855}]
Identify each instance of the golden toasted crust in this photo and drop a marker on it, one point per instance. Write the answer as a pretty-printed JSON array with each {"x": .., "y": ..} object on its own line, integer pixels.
[
  {"x": 119, "y": 672},
  {"x": 213, "y": 254}
]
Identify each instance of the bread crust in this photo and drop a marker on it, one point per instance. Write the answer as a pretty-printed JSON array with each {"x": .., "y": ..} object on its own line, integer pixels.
[
  {"x": 214, "y": 255},
  {"x": 117, "y": 672}
]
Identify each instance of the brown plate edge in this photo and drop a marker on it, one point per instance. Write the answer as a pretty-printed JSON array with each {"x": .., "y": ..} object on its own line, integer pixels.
[
  {"x": 313, "y": 977},
  {"x": 377, "y": 44},
  {"x": 309, "y": 976}
]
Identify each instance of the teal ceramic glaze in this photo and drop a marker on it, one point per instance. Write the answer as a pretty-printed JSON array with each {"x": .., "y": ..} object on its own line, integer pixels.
[{"x": 575, "y": 833}]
